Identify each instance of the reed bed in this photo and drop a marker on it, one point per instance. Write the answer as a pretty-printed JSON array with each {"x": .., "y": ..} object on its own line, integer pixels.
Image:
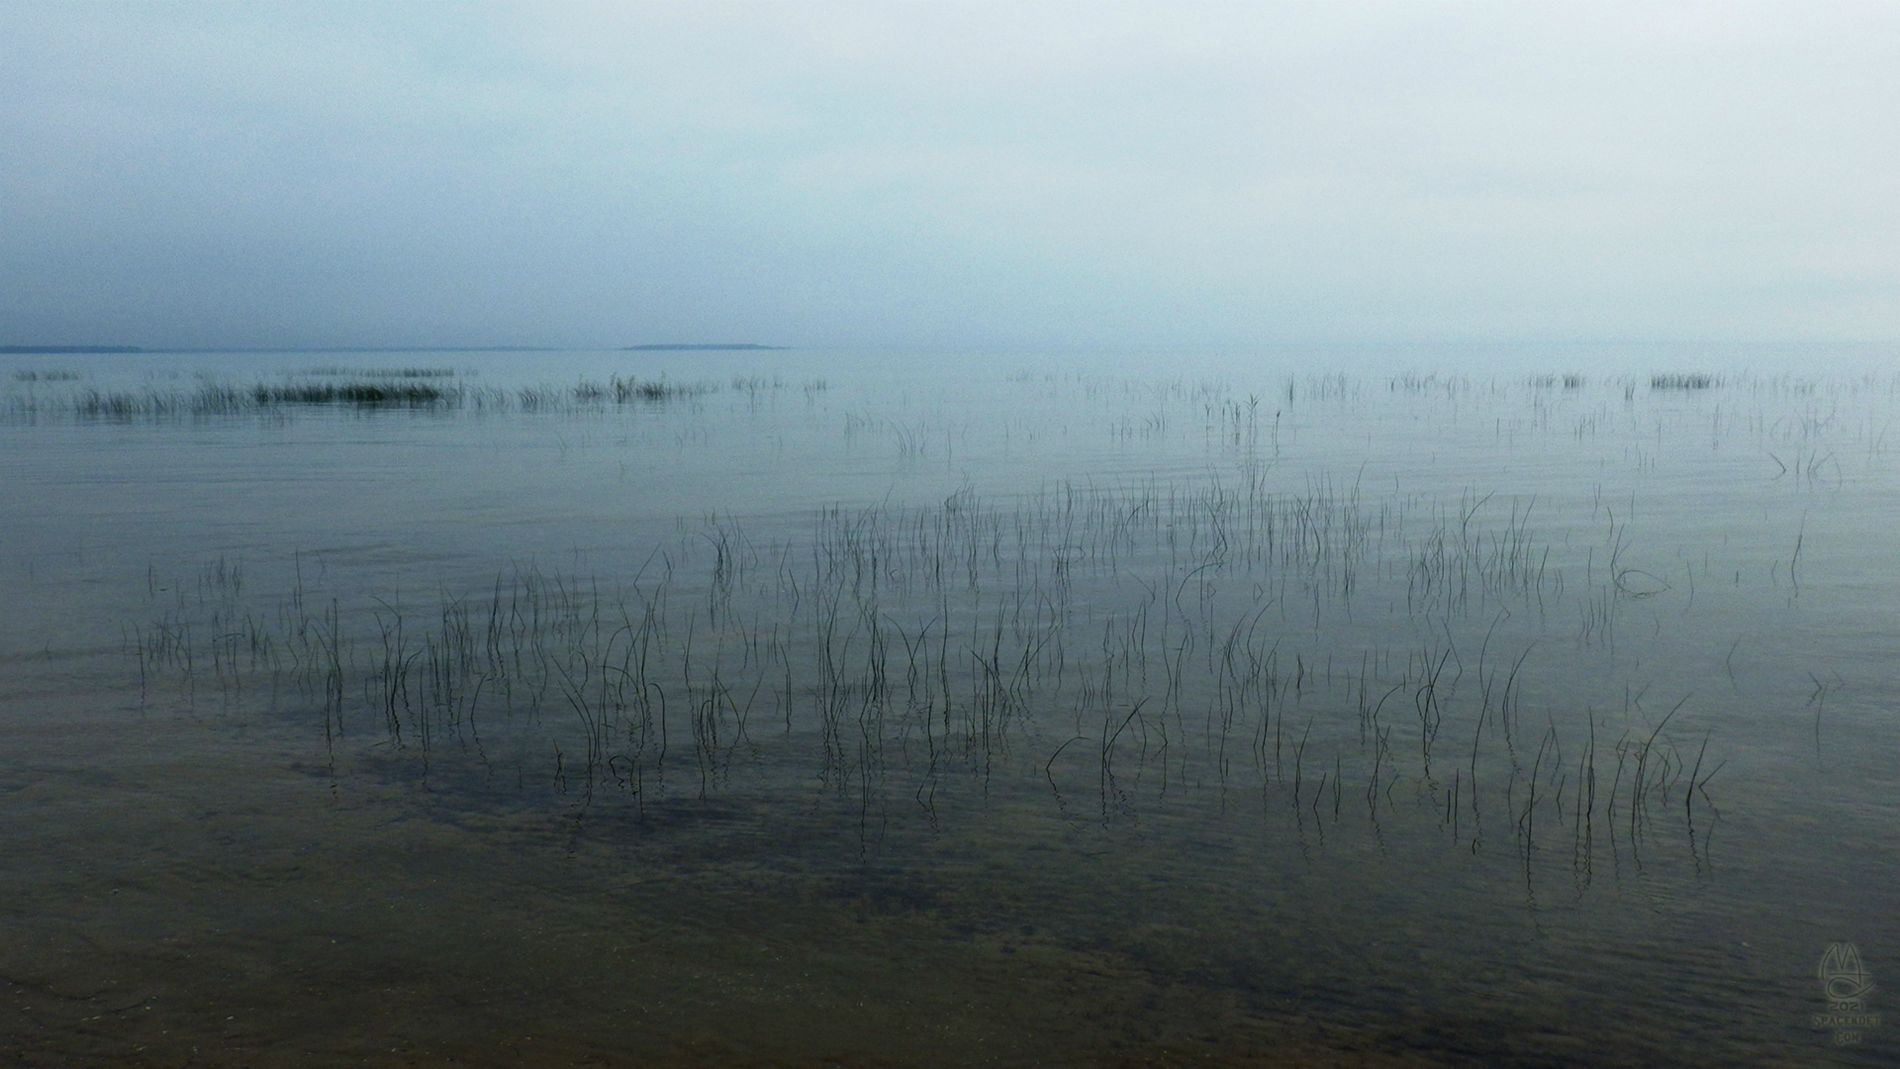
[
  {"x": 621, "y": 391},
  {"x": 332, "y": 371},
  {"x": 1683, "y": 380},
  {"x": 1568, "y": 381},
  {"x": 395, "y": 390},
  {"x": 1104, "y": 646},
  {"x": 362, "y": 394}
]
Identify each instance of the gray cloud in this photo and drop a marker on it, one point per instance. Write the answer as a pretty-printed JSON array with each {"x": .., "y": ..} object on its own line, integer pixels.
[{"x": 947, "y": 175}]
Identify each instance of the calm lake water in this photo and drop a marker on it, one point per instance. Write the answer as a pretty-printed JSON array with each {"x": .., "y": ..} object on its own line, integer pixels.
[{"x": 1406, "y": 707}]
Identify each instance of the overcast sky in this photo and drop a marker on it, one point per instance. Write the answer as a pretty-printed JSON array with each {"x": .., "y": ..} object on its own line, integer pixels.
[{"x": 1016, "y": 174}]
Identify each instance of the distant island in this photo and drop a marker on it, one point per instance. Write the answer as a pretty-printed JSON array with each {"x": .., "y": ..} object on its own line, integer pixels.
[
  {"x": 55, "y": 350},
  {"x": 704, "y": 347},
  {"x": 663, "y": 347}
]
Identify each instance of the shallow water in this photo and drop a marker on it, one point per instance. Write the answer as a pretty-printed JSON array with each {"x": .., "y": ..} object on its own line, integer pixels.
[{"x": 951, "y": 710}]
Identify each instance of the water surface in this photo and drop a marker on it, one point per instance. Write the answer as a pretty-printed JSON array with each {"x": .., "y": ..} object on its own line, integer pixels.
[{"x": 851, "y": 707}]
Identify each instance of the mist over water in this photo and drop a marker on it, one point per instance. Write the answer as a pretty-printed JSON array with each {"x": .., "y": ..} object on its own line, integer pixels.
[{"x": 1430, "y": 704}]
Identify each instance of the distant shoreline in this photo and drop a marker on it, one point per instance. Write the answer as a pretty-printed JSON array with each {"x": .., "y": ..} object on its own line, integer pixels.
[
  {"x": 665, "y": 347},
  {"x": 704, "y": 347},
  {"x": 345, "y": 349},
  {"x": 65, "y": 350},
  {"x": 334, "y": 349}
]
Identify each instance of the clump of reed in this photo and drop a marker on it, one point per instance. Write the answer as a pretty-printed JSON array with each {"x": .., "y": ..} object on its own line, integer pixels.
[
  {"x": 621, "y": 391},
  {"x": 332, "y": 371},
  {"x": 399, "y": 394},
  {"x": 100, "y": 404},
  {"x": 31, "y": 375},
  {"x": 1412, "y": 382},
  {"x": 1683, "y": 380},
  {"x": 1569, "y": 380},
  {"x": 630, "y": 389},
  {"x": 220, "y": 399},
  {"x": 390, "y": 390},
  {"x": 758, "y": 384}
]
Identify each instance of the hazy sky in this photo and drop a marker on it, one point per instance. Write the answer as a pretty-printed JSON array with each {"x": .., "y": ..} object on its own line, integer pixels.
[{"x": 1013, "y": 174}]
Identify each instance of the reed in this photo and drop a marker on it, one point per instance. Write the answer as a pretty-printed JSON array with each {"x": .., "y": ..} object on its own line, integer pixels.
[
  {"x": 915, "y": 650},
  {"x": 334, "y": 371},
  {"x": 400, "y": 388},
  {"x": 367, "y": 394},
  {"x": 1683, "y": 380}
]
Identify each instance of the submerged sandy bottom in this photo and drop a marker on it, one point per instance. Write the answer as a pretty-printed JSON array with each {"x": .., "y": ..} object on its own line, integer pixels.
[
  {"x": 272, "y": 918},
  {"x": 234, "y": 897}
]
